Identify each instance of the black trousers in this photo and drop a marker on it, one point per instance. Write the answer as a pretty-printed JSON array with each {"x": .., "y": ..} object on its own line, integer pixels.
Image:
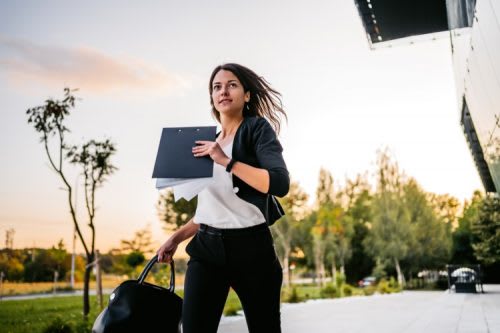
[{"x": 243, "y": 259}]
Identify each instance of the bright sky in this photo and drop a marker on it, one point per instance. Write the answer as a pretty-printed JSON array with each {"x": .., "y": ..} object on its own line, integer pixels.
[{"x": 146, "y": 66}]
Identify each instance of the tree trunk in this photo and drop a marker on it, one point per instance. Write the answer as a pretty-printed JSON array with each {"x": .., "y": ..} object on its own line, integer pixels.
[
  {"x": 317, "y": 264},
  {"x": 86, "y": 283},
  {"x": 286, "y": 266},
  {"x": 401, "y": 277},
  {"x": 334, "y": 271},
  {"x": 322, "y": 273}
]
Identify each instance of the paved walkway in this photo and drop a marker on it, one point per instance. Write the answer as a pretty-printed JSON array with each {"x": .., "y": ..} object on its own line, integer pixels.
[{"x": 417, "y": 311}]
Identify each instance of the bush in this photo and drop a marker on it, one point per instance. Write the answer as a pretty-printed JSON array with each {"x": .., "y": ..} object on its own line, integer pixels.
[
  {"x": 294, "y": 296},
  {"x": 369, "y": 290},
  {"x": 58, "y": 326},
  {"x": 383, "y": 287},
  {"x": 231, "y": 310},
  {"x": 347, "y": 290},
  {"x": 393, "y": 283},
  {"x": 329, "y": 291}
]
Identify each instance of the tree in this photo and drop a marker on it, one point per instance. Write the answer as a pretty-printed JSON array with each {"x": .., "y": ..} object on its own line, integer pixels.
[
  {"x": 294, "y": 205},
  {"x": 93, "y": 157},
  {"x": 463, "y": 238},
  {"x": 324, "y": 217},
  {"x": 487, "y": 231},
  {"x": 174, "y": 214},
  {"x": 431, "y": 233},
  {"x": 359, "y": 208},
  {"x": 390, "y": 231},
  {"x": 141, "y": 242}
]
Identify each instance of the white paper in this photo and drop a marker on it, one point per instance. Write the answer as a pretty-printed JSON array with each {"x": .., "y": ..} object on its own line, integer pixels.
[
  {"x": 162, "y": 183},
  {"x": 190, "y": 189}
]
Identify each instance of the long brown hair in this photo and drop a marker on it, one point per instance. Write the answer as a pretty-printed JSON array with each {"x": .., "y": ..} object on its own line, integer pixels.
[{"x": 264, "y": 100}]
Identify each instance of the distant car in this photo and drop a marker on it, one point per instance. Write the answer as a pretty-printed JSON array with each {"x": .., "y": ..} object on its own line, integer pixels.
[{"x": 367, "y": 281}]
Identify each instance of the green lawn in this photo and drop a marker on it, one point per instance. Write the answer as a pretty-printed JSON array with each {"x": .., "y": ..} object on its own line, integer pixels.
[{"x": 33, "y": 316}]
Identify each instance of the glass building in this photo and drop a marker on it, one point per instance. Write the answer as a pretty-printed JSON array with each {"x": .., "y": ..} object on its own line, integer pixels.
[{"x": 473, "y": 27}]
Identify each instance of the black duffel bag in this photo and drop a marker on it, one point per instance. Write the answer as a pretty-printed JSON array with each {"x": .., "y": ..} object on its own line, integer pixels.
[{"x": 138, "y": 306}]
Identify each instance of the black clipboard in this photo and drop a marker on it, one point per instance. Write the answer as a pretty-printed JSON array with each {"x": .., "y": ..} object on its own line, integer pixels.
[{"x": 175, "y": 157}]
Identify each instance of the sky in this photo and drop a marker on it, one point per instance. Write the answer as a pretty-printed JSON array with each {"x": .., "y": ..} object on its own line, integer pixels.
[{"x": 142, "y": 66}]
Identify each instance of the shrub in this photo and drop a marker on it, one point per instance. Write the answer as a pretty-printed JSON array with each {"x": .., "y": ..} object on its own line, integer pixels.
[
  {"x": 58, "y": 326},
  {"x": 329, "y": 291},
  {"x": 369, "y": 290},
  {"x": 339, "y": 282},
  {"x": 347, "y": 290},
  {"x": 231, "y": 310},
  {"x": 294, "y": 296},
  {"x": 393, "y": 283},
  {"x": 383, "y": 287}
]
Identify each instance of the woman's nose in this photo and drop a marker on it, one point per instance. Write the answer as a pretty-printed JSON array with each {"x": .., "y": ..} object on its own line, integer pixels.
[{"x": 224, "y": 91}]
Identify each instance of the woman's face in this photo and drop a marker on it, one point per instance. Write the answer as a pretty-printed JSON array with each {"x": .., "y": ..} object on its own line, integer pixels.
[{"x": 228, "y": 95}]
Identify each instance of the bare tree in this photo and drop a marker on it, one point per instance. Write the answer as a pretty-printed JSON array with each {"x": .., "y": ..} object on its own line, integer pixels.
[{"x": 93, "y": 157}]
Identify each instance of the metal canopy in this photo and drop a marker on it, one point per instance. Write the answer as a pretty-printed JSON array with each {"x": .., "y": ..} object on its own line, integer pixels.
[{"x": 386, "y": 20}]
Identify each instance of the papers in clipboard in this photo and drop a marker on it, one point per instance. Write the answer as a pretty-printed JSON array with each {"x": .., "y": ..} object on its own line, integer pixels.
[{"x": 175, "y": 165}]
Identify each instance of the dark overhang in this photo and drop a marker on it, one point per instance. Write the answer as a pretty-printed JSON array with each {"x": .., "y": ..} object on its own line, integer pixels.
[
  {"x": 386, "y": 20},
  {"x": 476, "y": 150}
]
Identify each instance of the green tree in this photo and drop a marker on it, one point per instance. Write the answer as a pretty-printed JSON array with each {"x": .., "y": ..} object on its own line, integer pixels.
[
  {"x": 174, "y": 214},
  {"x": 359, "y": 208},
  {"x": 463, "y": 238},
  {"x": 326, "y": 218},
  {"x": 141, "y": 242},
  {"x": 487, "y": 231},
  {"x": 431, "y": 234},
  {"x": 93, "y": 157},
  {"x": 295, "y": 207},
  {"x": 390, "y": 234}
]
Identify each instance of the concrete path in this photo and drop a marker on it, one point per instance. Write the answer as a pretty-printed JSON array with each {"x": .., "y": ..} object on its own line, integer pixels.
[{"x": 417, "y": 311}]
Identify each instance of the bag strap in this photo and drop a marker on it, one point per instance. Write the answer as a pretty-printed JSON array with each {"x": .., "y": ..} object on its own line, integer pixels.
[{"x": 150, "y": 265}]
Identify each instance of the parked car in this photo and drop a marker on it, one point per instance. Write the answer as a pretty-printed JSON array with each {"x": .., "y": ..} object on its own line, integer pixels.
[{"x": 367, "y": 281}]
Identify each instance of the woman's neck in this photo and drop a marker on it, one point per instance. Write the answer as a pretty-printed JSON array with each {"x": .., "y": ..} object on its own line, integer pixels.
[{"x": 230, "y": 125}]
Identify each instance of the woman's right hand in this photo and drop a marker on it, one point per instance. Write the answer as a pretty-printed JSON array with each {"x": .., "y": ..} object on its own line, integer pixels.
[{"x": 166, "y": 251}]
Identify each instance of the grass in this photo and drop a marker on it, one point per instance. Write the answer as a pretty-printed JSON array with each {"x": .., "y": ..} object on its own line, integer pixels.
[
  {"x": 24, "y": 288},
  {"x": 33, "y": 316}
]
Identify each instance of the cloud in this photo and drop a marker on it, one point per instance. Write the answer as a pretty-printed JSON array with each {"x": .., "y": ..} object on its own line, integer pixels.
[{"x": 86, "y": 68}]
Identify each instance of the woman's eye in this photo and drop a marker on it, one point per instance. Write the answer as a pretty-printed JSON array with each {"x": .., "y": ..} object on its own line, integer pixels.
[{"x": 233, "y": 85}]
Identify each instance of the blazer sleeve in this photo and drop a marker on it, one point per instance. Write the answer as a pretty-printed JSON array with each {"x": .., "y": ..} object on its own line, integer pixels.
[{"x": 269, "y": 155}]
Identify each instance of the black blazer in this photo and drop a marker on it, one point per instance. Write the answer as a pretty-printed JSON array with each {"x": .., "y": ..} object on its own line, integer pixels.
[{"x": 255, "y": 143}]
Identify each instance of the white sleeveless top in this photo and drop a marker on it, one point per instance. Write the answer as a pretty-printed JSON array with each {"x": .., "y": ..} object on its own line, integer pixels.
[{"x": 220, "y": 207}]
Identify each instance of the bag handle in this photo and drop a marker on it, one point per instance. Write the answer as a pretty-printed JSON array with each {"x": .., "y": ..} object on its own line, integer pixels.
[{"x": 148, "y": 267}]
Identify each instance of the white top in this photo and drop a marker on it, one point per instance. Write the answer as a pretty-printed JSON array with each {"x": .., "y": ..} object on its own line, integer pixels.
[{"x": 219, "y": 206}]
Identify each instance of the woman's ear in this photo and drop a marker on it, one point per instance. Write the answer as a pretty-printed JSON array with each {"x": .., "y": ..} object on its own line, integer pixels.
[{"x": 247, "y": 96}]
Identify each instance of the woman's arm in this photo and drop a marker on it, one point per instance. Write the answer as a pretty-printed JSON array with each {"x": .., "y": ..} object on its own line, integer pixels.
[
  {"x": 167, "y": 250},
  {"x": 258, "y": 178}
]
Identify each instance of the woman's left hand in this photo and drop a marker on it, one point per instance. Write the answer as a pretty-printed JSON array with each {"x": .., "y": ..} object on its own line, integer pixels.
[{"x": 213, "y": 149}]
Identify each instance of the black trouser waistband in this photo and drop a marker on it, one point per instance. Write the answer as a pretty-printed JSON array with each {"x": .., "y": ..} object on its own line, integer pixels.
[{"x": 231, "y": 231}]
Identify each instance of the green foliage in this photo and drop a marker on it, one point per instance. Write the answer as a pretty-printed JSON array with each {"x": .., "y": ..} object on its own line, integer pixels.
[
  {"x": 141, "y": 242},
  {"x": 291, "y": 295},
  {"x": 370, "y": 290},
  {"x": 487, "y": 231},
  {"x": 174, "y": 214},
  {"x": 383, "y": 287},
  {"x": 58, "y": 325},
  {"x": 135, "y": 258},
  {"x": 329, "y": 291},
  {"x": 347, "y": 290},
  {"x": 390, "y": 236},
  {"x": 231, "y": 310}
]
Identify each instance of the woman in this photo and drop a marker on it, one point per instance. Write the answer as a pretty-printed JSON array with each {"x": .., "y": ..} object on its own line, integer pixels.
[{"x": 232, "y": 244}]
